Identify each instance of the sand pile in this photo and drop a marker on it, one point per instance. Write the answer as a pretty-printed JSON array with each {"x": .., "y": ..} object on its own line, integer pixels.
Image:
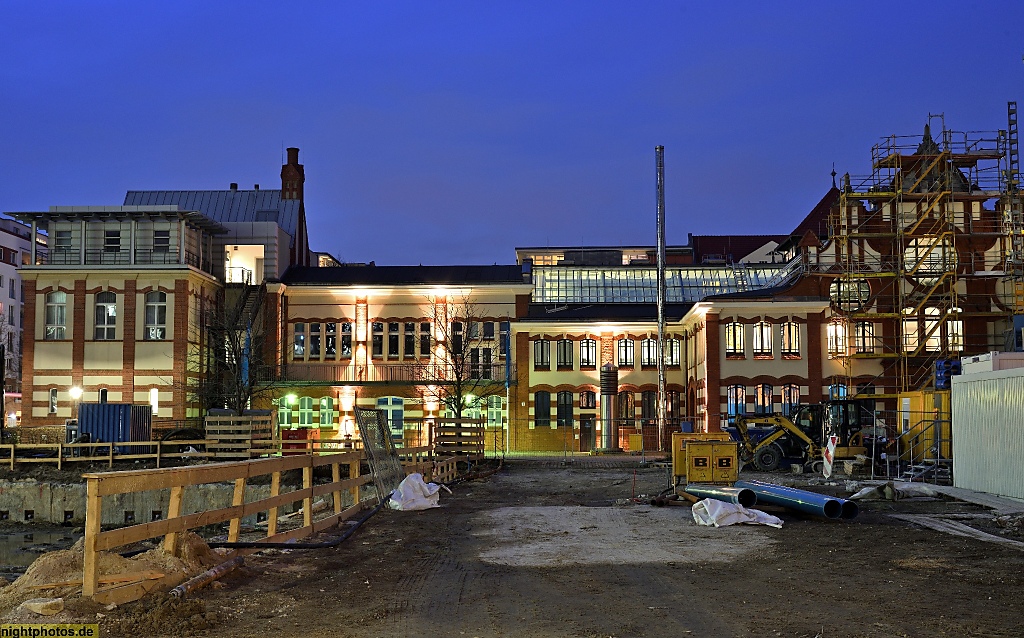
[{"x": 67, "y": 564}]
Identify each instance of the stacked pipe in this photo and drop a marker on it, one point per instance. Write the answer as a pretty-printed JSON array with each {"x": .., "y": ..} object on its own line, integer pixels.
[{"x": 801, "y": 500}]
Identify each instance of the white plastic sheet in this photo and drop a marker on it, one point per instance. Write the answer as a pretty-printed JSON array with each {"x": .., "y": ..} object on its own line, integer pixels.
[
  {"x": 712, "y": 513},
  {"x": 414, "y": 494}
]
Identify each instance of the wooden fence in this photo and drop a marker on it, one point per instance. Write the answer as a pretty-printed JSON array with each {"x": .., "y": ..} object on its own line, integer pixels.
[
  {"x": 346, "y": 476},
  {"x": 61, "y": 453}
]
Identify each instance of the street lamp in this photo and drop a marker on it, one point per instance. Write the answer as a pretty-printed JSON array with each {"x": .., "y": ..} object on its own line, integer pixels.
[{"x": 76, "y": 394}]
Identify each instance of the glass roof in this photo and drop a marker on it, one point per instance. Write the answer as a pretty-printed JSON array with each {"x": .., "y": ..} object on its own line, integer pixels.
[{"x": 684, "y": 284}]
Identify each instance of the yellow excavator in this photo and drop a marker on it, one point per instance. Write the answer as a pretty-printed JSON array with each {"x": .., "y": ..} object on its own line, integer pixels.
[{"x": 802, "y": 434}]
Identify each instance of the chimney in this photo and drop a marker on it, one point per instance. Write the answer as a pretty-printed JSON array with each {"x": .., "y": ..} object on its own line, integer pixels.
[
  {"x": 255, "y": 187},
  {"x": 293, "y": 177},
  {"x": 234, "y": 186}
]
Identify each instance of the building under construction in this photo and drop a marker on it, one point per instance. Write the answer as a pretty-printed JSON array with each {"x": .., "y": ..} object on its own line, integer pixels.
[{"x": 922, "y": 259}]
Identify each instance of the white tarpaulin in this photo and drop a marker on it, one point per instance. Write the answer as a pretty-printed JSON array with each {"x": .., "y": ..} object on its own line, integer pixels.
[
  {"x": 712, "y": 513},
  {"x": 414, "y": 494}
]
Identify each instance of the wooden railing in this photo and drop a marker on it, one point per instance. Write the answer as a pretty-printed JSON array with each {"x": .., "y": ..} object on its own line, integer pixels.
[
  {"x": 62, "y": 453},
  {"x": 343, "y": 464}
]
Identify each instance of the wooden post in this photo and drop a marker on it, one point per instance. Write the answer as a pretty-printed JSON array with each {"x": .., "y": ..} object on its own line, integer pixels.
[
  {"x": 93, "y": 522},
  {"x": 60, "y": 454},
  {"x": 353, "y": 472},
  {"x": 238, "y": 498},
  {"x": 173, "y": 511},
  {"x": 335, "y": 477},
  {"x": 158, "y": 453},
  {"x": 111, "y": 463},
  {"x": 307, "y": 503},
  {"x": 275, "y": 490}
]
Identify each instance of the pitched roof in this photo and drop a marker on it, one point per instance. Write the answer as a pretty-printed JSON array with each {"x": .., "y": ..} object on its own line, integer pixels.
[
  {"x": 816, "y": 221},
  {"x": 734, "y": 247},
  {"x": 404, "y": 275},
  {"x": 227, "y": 206}
]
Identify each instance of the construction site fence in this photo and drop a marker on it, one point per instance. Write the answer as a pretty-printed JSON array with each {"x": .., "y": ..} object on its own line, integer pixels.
[{"x": 347, "y": 477}]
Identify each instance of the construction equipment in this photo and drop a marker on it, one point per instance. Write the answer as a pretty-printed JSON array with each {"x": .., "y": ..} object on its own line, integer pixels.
[
  {"x": 712, "y": 462},
  {"x": 803, "y": 434}
]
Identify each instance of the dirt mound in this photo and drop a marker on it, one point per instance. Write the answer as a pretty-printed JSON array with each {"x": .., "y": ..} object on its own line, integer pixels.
[{"x": 67, "y": 564}]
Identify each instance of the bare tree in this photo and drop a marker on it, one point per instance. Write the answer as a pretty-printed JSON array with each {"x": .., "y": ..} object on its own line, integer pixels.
[
  {"x": 227, "y": 367},
  {"x": 467, "y": 362}
]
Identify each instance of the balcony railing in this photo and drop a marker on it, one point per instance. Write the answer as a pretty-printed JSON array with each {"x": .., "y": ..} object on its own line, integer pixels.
[
  {"x": 411, "y": 373},
  {"x": 72, "y": 256}
]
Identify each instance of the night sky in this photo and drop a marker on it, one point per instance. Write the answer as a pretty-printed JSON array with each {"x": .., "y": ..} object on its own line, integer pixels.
[{"x": 452, "y": 132}]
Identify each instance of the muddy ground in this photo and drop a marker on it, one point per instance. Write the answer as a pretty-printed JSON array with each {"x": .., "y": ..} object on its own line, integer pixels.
[{"x": 544, "y": 550}]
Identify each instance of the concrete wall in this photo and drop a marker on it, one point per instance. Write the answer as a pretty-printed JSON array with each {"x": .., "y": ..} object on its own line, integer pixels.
[{"x": 51, "y": 502}]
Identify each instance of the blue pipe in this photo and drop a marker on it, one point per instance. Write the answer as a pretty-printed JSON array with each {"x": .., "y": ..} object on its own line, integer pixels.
[
  {"x": 800, "y": 500},
  {"x": 737, "y": 495}
]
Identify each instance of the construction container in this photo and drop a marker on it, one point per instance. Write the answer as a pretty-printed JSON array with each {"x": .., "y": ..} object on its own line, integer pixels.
[
  {"x": 679, "y": 440},
  {"x": 116, "y": 423},
  {"x": 712, "y": 462},
  {"x": 988, "y": 432}
]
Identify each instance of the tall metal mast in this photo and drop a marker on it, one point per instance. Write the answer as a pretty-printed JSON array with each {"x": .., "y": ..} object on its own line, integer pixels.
[{"x": 659, "y": 156}]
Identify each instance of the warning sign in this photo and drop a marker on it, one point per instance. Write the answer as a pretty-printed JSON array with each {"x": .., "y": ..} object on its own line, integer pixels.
[{"x": 829, "y": 455}]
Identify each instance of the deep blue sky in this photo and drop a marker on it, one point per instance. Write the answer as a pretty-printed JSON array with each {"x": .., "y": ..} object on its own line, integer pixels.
[{"x": 451, "y": 132}]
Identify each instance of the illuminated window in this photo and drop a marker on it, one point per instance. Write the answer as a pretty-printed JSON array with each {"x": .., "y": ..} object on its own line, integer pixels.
[
  {"x": 649, "y": 352},
  {"x": 837, "y": 391},
  {"x": 53, "y": 401},
  {"x": 156, "y": 316},
  {"x": 106, "y": 316},
  {"x": 836, "y": 331},
  {"x": 495, "y": 407},
  {"x": 327, "y": 412},
  {"x": 154, "y": 401},
  {"x": 763, "y": 398},
  {"x": 588, "y": 353},
  {"x": 305, "y": 412},
  {"x": 542, "y": 353},
  {"x": 394, "y": 412},
  {"x": 625, "y": 352},
  {"x": 791, "y": 339},
  {"x": 763, "y": 340},
  {"x": 56, "y": 315},
  {"x": 849, "y": 295},
  {"x": 933, "y": 336},
  {"x": 734, "y": 339},
  {"x": 672, "y": 348}
]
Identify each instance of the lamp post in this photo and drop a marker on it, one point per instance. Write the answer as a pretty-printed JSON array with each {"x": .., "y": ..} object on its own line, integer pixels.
[{"x": 76, "y": 395}]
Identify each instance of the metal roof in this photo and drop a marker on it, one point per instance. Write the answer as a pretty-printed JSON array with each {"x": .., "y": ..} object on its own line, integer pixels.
[
  {"x": 404, "y": 275},
  {"x": 227, "y": 206}
]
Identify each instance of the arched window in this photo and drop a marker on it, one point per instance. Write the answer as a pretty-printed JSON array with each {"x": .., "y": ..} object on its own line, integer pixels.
[
  {"x": 564, "y": 409},
  {"x": 736, "y": 401},
  {"x": 588, "y": 400},
  {"x": 327, "y": 412},
  {"x": 734, "y": 339},
  {"x": 864, "y": 337},
  {"x": 649, "y": 407},
  {"x": 542, "y": 409},
  {"x": 542, "y": 353},
  {"x": 673, "y": 407},
  {"x": 649, "y": 352},
  {"x": 763, "y": 340},
  {"x": 588, "y": 353},
  {"x": 156, "y": 316},
  {"x": 791, "y": 340},
  {"x": 910, "y": 330},
  {"x": 625, "y": 348},
  {"x": 672, "y": 352},
  {"x": 627, "y": 408},
  {"x": 955, "y": 331},
  {"x": 564, "y": 353},
  {"x": 837, "y": 391},
  {"x": 106, "y": 315},
  {"x": 763, "y": 398},
  {"x": 56, "y": 315},
  {"x": 790, "y": 398},
  {"x": 836, "y": 331},
  {"x": 305, "y": 412}
]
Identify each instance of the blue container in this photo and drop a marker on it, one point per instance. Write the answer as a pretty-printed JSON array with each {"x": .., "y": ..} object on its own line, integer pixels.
[{"x": 117, "y": 423}]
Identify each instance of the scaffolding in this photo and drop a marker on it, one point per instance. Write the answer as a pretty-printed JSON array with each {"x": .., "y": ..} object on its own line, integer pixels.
[{"x": 908, "y": 245}]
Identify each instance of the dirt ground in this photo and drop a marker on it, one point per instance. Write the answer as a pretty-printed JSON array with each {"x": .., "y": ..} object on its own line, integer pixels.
[{"x": 545, "y": 550}]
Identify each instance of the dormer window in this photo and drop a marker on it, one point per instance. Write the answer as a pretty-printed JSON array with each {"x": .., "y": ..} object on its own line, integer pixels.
[
  {"x": 161, "y": 241},
  {"x": 111, "y": 241}
]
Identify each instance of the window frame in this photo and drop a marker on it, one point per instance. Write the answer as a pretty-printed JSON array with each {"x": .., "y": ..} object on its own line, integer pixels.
[
  {"x": 625, "y": 352},
  {"x": 564, "y": 354},
  {"x": 790, "y": 333},
  {"x": 648, "y": 352},
  {"x": 588, "y": 354},
  {"x": 734, "y": 341},
  {"x": 736, "y": 401},
  {"x": 762, "y": 342},
  {"x": 541, "y": 354},
  {"x": 763, "y": 398},
  {"x": 564, "y": 409},
  {"x": 588, "y": 400},
  {"x": 540, "y": 420},
  {"x": 105, "y": 309},
  {"x": 155, "y": 319},
  {"x": 56, "y": 316}
]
